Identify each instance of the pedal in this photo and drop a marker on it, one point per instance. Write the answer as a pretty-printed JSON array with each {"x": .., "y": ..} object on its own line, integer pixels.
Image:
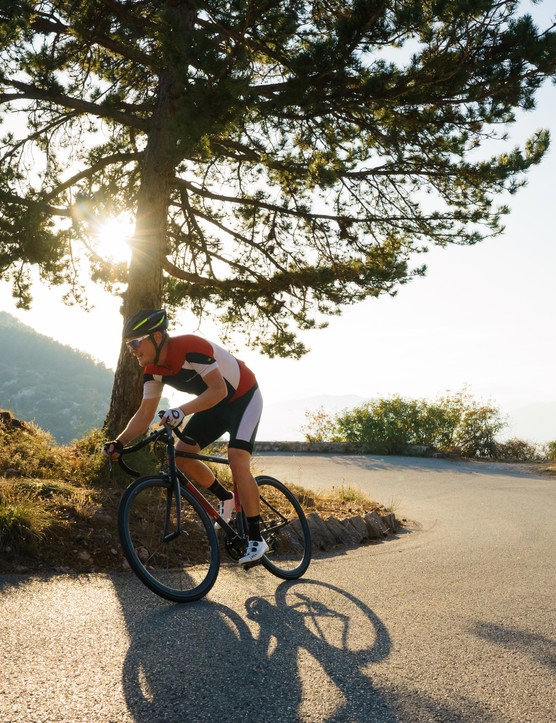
[{"x": 249, "y": 565}]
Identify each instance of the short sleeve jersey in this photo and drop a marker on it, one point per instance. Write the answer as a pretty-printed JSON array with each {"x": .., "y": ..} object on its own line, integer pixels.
[{"x": 189, "y": 359}]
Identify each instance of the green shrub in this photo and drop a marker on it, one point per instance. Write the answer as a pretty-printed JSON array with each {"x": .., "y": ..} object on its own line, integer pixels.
[
  {"x": 476, "y": 425},
  {"x": 320, "y": 427},
  {"x": 517, "y": 450},
  {"x": 385, "y": 426},
  {"x": 454, "y": 423},
  {"x": 550, "y": 451}
]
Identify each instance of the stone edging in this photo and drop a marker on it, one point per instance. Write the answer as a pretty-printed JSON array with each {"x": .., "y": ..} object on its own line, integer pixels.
[
  {"x": 412, "y": 450},
  {"x": 310, "y": 447},
  {"x": 331, "y": 532}
]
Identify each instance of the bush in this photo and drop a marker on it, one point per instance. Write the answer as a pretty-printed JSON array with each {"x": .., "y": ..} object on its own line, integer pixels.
[
  {"x": 385, "y": 426},
  {"x": 320, "y": 427},
  {"x": 456, "y": 424},
  {"x": 550, "y": 451},
  {"x": 516, "y": 450},
  {"x": 475, "y": 425}
]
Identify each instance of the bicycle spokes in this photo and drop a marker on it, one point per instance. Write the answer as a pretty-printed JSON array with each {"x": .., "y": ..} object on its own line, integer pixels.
[
  {"x": 180, "y": 564},
  {"x": 285, "y": 529}
]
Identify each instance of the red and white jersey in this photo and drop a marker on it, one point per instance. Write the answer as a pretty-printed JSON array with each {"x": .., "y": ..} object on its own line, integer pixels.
[{"x": 189, "y": 358}]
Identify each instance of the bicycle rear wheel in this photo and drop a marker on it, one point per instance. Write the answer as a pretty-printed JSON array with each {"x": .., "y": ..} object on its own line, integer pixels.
[
  {"x": 285, "y": 529},
  {"x": 182, "y": 569}
]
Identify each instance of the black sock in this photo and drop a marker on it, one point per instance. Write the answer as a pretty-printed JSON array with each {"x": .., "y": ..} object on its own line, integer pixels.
[
  {"x": 219, "y": 491},
  {"x": 253, "y": 528}
]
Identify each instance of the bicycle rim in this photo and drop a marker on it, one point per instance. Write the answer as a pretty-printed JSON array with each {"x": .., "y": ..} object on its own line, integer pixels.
[
  {"x": 285, "y": 529},
  {"x": 183, "y": 569}
]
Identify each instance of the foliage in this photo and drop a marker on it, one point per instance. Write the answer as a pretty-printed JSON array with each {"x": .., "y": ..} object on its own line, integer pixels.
[
  {"x": 40, "y": 480},
  {"x": 44, "y": 488},
  {"x": 456, "y": 424},
  {"x": 28, "y": 451},
  {"x": 468, "y": 426},
  {"x": 320, "y": 426},
  {"x": 280, "y": 159},
  {"x": 517, "y": 450},
  {"x": 550, "y": 451}
]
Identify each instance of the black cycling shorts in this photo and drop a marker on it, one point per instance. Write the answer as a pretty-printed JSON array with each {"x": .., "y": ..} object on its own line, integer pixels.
[{"x": 239, "y": 418}]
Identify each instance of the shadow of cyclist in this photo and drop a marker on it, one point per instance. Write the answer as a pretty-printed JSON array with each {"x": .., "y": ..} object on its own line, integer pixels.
[
  {"x": 315, "y": 628},
  {"x": 299, "y": 657},
  {"x": 182, "y": 663}
]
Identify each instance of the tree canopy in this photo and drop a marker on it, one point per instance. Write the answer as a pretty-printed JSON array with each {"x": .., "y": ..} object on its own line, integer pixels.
[{"x": 281, "y": 158}]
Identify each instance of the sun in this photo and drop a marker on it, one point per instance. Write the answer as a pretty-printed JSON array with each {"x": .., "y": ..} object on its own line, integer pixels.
[{"x": 112, "y": 238}]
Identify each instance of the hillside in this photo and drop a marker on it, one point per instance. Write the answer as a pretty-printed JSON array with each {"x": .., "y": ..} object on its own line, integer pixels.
[{"x": 64, "y": 391}]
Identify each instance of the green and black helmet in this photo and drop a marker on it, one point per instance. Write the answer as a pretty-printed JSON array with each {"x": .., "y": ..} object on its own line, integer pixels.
[{"x": 146, "y": 321}]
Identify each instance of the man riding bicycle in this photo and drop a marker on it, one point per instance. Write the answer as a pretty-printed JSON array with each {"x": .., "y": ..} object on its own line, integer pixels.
[{"x": 227, "y": 399}]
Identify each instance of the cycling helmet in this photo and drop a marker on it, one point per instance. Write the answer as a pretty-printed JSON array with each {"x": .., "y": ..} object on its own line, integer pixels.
[{"x": 146, "y": 321}]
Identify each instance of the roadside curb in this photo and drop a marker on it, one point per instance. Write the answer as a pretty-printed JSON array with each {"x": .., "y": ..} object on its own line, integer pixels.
[{"x": 331, "y": 532}]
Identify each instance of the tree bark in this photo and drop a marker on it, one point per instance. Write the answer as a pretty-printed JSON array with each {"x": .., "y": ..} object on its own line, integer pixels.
[{"x": 144, "y": 289}]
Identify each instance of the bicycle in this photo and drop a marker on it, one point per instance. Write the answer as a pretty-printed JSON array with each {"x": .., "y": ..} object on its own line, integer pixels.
[{"x": 167, "y": 527}]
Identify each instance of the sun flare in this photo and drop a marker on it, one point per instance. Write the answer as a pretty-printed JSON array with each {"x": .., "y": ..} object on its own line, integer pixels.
[{"x": 112, "y": 238}]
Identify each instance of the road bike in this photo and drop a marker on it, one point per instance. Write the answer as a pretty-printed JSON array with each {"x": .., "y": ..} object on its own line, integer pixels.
[{"x": 167, "y": 526}]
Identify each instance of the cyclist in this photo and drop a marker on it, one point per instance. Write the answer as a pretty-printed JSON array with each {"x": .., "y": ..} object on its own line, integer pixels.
[{"x": 227, "y": 399}]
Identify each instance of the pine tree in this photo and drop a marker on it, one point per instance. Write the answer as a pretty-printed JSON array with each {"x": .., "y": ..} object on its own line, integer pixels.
[{"x": 282, "y": 159}]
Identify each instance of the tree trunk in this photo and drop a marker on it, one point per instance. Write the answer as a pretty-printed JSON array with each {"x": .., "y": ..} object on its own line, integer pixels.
[{"x": 144, "y": 289}]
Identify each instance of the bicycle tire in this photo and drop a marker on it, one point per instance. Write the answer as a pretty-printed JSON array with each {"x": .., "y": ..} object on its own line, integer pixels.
[
  {"x": 181, "y": 570},
  {"x": 285, "y": 529}
]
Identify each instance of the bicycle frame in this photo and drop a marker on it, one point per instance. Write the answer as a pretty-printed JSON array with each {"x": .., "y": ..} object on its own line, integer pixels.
[
  {"x": 179, "y": 506},
  {"x": 176, "y": 476}
]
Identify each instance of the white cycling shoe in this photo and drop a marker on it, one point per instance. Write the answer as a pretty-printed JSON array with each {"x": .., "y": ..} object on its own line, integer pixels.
[{"x": 255, "y": 550}]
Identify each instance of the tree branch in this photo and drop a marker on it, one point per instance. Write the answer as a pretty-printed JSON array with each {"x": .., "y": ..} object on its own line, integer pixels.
[
  {"x": 31, "y": 92},
  {"x": 45, "y": 207},
  {"x": 88, "y": 172},
  {"x": 244, "y": 201},
  {"x": 196, "y": 280},
  {"x": 43, "y": 25}
]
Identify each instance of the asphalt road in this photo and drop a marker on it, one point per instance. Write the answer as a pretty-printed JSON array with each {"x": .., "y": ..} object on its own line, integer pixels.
[{"x": 452, "y": 621}]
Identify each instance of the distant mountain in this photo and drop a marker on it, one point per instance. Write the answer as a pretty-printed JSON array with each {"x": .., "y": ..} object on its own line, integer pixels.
[{"x": 64, "y": 391}]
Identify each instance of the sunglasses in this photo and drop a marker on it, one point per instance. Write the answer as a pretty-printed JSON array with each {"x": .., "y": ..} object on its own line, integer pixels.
[{"x": 134, "y": 344}]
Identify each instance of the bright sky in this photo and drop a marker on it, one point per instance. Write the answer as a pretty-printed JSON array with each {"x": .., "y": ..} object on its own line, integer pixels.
[{"x": 483, "y": 316}]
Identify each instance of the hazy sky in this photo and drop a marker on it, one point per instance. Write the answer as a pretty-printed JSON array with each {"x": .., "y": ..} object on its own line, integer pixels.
[{"x": 483, "y": 316}]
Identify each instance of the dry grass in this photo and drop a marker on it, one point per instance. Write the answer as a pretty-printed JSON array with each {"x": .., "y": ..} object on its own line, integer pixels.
[
  {"x": 547, "y": 468},
  {"x": 340, "y": 501},
  {"x": 58, "y": 505},
  {"x": 23, "y": 520}
]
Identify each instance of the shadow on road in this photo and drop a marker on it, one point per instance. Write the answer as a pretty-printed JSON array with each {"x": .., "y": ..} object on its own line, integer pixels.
[
  {"x": 310, "y": 652},
  {"x": 204, "y": 661},
  {"x": 306, "y": 653},
  {"x": 538, "y": 647},
  {"x": 433, "y": 465}
]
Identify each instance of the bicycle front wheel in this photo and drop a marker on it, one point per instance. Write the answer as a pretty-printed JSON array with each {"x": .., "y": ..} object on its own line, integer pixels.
[
  {"x": 182, "y": 569},
  {"x": 285, "y": 529}
]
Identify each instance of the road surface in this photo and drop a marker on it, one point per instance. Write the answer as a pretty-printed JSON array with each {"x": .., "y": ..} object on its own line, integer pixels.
[{"x": 452, "y": 621}]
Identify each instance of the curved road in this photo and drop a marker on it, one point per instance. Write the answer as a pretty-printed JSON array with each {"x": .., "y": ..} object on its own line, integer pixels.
[{"x": 453, "y": 620}]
